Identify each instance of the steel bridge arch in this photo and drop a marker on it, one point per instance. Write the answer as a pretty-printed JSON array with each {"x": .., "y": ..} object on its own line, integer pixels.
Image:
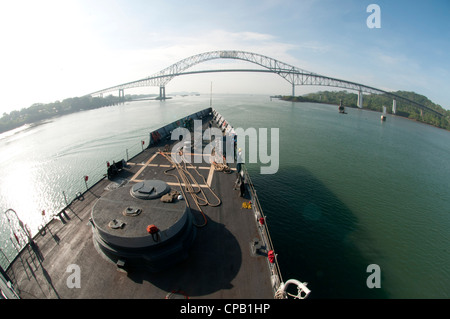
[
  {"x": 271, "y": 64},
  {"x": 161, "y": 78},
  {"x": 295, "y": 76}
]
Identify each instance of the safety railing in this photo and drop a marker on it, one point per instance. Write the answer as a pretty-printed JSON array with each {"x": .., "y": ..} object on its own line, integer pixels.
[
  {"x": 274, "y": 267},
  {"x": 93, "y": 176},
  {"x": 4, "y": 260},
  {"x": 264, "y": 230},
  {"x": 15, "y": 236},
  {"x": 11, "y": 247},
  {"x": 12, "y": 234}
]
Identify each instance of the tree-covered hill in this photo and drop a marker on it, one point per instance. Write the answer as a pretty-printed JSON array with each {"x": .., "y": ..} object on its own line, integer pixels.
[
  {"x": 377, "y": 101},
  {"x": 39, "y": 111}
]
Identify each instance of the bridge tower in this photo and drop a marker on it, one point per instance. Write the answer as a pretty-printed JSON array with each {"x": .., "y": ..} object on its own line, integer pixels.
[
  {"x": 121, "y": 94},
  {"x": 360, "y": 99},
  {"x": 394, "y": 106},
  {"x": 162, "y": 92}
]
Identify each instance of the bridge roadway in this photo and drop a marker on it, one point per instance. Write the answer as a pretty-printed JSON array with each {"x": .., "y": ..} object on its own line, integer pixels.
[
  {"x": 220, "y": 265},
  {"x": 295, "y": 76}
]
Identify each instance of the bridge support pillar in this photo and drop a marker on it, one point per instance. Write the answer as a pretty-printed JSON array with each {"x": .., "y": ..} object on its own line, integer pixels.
[
  {"x": 121, "y": 93},
  {"x": 360, "y": 99},
  {"x": 293, "y": 89},
  {"x": 394, "y": 106},
  {"x": 162, "y": 92}
]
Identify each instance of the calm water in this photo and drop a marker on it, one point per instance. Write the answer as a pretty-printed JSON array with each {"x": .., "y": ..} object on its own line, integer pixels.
[{"x": 350, "y": 190}]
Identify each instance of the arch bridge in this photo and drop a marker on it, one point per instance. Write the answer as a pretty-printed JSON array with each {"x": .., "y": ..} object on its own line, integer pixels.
[{"x": 295, "y": 76}]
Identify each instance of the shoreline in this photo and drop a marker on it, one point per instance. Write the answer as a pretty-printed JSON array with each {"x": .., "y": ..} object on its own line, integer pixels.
[{"x": 365, "y": 109}]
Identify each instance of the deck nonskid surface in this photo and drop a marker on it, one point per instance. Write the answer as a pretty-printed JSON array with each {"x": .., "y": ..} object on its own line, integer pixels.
[{"x": 220, "y": 264}]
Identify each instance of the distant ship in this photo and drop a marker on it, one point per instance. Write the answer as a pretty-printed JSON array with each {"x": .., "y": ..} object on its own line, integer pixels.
[
  {"x": 341, "y": 108},
  {"x": 383, "y": 115}
]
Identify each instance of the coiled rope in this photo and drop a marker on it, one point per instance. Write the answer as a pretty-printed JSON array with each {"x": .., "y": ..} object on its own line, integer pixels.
[{"x": 191, "y": 186}]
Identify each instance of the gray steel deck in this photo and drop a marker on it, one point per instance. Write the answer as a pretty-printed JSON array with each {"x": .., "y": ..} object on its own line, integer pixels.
[{"x": 220, "y": 265}]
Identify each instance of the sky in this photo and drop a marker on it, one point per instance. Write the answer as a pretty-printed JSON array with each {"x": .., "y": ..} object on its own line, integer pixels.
[{"x": 54, "y": 49}]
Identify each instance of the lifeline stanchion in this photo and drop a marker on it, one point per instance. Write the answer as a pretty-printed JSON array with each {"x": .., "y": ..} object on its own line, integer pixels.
[{"x": 65, "y": 198}]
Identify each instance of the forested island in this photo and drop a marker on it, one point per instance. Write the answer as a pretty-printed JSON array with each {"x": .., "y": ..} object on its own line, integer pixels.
[
  {"x": 39, "y": 111},
  {"x": 376, "y": 102}
]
